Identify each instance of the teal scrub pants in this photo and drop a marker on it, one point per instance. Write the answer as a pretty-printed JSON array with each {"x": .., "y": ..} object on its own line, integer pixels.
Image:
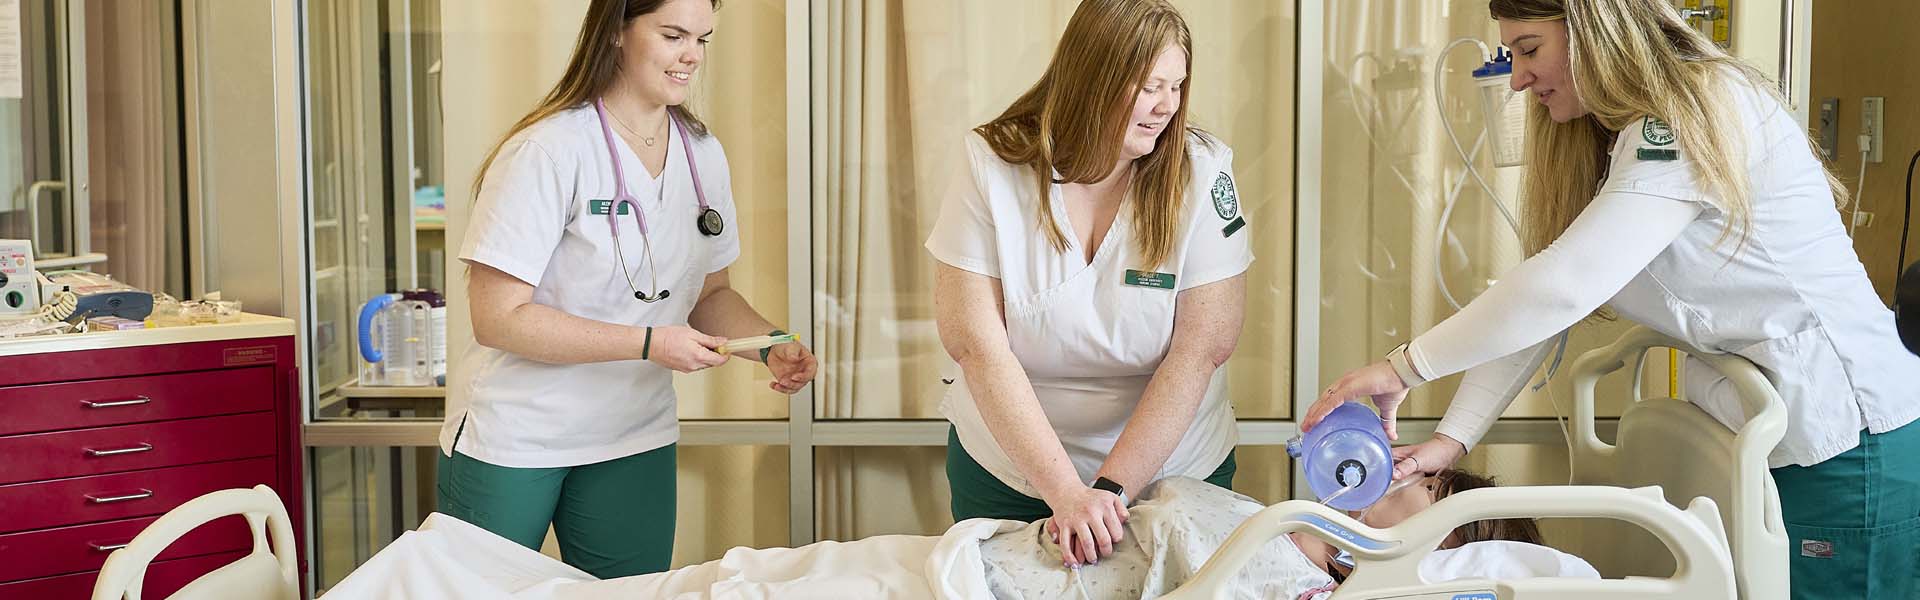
[
  {"x": 977, "y": 493},
  {"x": 612, "y": 519},
  {"x": 1853, "y": 521}
]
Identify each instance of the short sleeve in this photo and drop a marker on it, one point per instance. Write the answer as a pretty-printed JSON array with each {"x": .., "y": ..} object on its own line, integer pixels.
[
  {"x": 963, "y": 235},
  {"x": 1219, "y": 244},
  {"x": 720, "y": 198},
  {"x": 1647, "y": 159},
  {"x": 520, "y": 213}
]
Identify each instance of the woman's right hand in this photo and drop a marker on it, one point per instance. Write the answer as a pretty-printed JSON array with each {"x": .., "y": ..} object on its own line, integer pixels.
[
  {"x": 684, "y": 349},
  {"x": 1429, "y": 457},
  {"x": 1086, "y": 524}
]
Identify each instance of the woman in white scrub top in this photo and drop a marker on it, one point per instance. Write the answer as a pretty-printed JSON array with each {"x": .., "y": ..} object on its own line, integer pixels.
[
  {"x": 1670, "y": 184},
  {"x": 1090, "y": 283},
  {"x": 598, "y": 254}
]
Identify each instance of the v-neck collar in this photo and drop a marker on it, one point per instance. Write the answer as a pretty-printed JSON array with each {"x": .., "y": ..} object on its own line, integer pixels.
[
  {"x": 1058, "y": 194},
  {"x": 630, "y": 158}
]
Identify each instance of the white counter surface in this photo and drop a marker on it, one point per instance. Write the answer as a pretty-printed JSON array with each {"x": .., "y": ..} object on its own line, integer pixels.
[{"x": 249, "y": 326}]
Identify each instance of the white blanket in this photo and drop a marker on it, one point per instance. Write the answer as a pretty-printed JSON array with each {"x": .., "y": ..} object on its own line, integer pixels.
[
  {"x": 1173, "y": 533},
  {"x": 449, "y": 558}
]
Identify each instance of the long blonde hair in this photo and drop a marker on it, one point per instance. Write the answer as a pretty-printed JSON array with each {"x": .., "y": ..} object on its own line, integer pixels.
[
  {"x": 1632, "y": 59},
  {"x": 590, "y": 72},
  {"x": 1074, "y": 119}
]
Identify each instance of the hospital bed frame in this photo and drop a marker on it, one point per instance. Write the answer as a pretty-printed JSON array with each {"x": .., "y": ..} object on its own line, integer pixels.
[{"x": 1729, "y": 541}]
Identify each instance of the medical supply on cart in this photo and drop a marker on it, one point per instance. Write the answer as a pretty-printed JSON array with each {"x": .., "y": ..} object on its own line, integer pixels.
[
  {"x": 19, "y": 283},
  {"x": 169, "y": 312},
  {"x": 437, "y": 326},
  {"x": 396, "y": 345},
  {"x": 101, "y": 296},
  {"x": 113, "y": 324}
]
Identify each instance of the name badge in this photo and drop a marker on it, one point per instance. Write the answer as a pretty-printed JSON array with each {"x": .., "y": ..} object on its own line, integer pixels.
[
  {"x": 601, "y": 207},
  {"x": 1657, "y": 154},
  {"x": 1147, "y": 279}
]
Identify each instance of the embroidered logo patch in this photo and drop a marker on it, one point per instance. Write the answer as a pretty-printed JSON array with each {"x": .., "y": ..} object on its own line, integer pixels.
[
  {"x": 1657, "y": 132},
  {"x": 1816, "y": 549},
  {"x": 1226, "y": 201}
]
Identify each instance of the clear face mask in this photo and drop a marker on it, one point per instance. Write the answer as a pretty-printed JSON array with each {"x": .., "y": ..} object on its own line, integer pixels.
[
  {"x": 1394, "y": 488},
  {"x": 1345, "y": 558}
]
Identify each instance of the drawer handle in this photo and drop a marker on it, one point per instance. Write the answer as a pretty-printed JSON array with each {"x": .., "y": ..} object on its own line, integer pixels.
[
  {"x": 99, "y": 547},
  {"x": 143, "y": 493},
  {"x": 143, "y": 447},
  {"x": 135, "y": 401}
]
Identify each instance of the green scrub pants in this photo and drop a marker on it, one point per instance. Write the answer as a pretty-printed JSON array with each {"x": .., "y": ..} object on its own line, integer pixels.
[
  {"x": 1853, "y": 521},
  {"x": 977, "y": 493},
  {"x": 612, "y": 519}
]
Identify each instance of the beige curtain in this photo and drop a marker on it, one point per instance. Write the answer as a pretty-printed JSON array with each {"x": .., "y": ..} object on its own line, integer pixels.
[
  {"x": 897, "y": 84},
  {"x": 134, "y": 141},
  {"x": 1388, "y": 172},
  {"x": 737, "y": 495}
]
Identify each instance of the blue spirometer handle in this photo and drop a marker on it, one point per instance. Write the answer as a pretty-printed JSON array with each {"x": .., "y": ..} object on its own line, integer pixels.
[{"x": 367, "y": 351}]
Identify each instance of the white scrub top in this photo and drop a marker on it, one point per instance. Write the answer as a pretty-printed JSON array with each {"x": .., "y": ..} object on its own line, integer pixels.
[
  {"x": 1794, "y": 300},
  {"x": 1090, "y": 335},
  {"x": 541, "y": 216}
]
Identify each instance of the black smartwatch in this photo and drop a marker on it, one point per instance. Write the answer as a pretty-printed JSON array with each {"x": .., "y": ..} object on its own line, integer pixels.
[{"x": 1111, "y": 486}]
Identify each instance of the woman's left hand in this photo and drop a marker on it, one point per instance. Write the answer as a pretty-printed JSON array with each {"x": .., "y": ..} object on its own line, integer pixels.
[
  {"x": 1377, "y": 381},
  {"x": 793, "y": 367}
]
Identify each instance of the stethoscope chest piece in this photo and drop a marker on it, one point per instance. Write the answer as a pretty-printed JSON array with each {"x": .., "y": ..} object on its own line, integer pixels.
[{"x": 710, "y": 223}]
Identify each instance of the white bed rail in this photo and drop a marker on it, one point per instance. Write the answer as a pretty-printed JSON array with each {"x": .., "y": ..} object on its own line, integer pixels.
[
  {"x": 1729, "y": 541},
  {"x": 1388, "y": 559}
]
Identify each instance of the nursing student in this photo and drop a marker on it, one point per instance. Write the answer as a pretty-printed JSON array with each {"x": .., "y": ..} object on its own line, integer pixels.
[
  {"x": 598, "y": 252},
  {"x": 1090, "y": 283},
  {"x": 1668, "y": 183}
]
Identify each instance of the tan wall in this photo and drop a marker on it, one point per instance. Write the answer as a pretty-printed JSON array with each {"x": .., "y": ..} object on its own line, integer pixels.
[{"x": 1868, "y": 48}]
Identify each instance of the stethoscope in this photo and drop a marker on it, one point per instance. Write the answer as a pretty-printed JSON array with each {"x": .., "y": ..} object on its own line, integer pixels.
[{"x": 708, "y": 222}]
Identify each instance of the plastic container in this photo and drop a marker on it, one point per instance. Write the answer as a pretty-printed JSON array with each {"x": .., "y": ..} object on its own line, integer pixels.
[
  {"x": 395, "y": 337},
  {"x": 1506, "y": 110},
  {"x": 1348, "y": 449},
  {"x": 436, "y": 330}
]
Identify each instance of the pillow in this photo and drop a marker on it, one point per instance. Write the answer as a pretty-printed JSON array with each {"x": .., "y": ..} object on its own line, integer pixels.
[{"x": 1501, "y": 560}]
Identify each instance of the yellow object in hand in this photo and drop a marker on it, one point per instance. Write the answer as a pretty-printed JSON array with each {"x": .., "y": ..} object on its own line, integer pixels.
[{"x": 755, "y": 343}]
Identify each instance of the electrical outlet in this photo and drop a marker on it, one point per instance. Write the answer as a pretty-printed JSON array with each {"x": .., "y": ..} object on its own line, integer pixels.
[
  {"x": 1872, "y": 124},
  {"x": 1829, "y": 128}
]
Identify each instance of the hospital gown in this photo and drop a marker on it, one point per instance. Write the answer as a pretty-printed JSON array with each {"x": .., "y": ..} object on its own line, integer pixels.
[{"x": 1171, "y": 532}]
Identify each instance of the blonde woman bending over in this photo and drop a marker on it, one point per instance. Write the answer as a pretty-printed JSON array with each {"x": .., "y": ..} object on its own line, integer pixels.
[{"x": 1668, "y": 182}]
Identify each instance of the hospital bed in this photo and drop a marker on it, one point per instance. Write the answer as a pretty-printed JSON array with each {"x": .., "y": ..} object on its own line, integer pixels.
[{"x": 1728, "y": 542}]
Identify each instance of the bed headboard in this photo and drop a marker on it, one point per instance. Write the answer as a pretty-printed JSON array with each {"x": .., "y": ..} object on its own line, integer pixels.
[{"x": 1678, "y": 447}]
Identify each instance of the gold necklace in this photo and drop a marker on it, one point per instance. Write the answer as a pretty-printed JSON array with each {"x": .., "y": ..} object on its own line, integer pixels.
[{"x": 645, "y": 139}]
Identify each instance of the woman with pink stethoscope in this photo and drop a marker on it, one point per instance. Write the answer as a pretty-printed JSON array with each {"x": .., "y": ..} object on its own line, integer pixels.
[{"x": 598, "y": 249}]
